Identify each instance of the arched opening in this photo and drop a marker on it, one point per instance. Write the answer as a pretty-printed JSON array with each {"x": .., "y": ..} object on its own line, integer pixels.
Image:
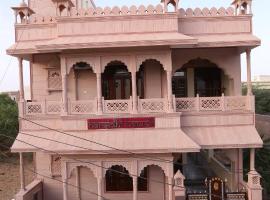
[
  {"x": 153, "y": 182},
  {"x": 61, "y": 8},
  {"x": 199, "y": 76},
  {"x": 21, "y": 17},
  {"x": 117, "y": 179},
  {"x": 171, "y": 7},
  {"x": 85, "y": 81},
  {"x": 116, "y": 81},
  {"x": 151, "y": 80},
  {"x": 87, "y": 181}
]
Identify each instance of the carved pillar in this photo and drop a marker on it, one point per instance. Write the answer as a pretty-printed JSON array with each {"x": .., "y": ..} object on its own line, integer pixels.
[
  {"x": 135, "y": 187},
  {"x": 169, "y": 91},
  {"x": 252, "y": 159},
  {"x": 78, "y": 182},
  {"x": 99, "y": 94},
  {"x": 20, "y": 60},
  {"x": 64, "y": 86},
  {"x": 254, "y": 183},
  {"x": 99, "y": 182},
  {"x": 170, "y": 185},
  {"x": 134, "y": 93},
  {"x": 249, "y": 83},
  {"x": 22, "y": 177},
  {"x": 22, "y": 100},
  {"x": 65, "y": 181}
]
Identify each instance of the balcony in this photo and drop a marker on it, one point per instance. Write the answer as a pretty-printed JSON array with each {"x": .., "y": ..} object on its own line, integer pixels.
[{"x": 144, "y": 106}]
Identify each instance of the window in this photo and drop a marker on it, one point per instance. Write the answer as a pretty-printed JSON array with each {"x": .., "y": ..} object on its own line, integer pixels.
[
  {"x": 121, "y": 182},
  {"x": 56, "y": 165},
  {"x": 54, "y": 79},
  {"x": 117, "y": 181}
]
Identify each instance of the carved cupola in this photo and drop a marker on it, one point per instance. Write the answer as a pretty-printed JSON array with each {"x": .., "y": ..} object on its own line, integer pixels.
[
  {"x": 63, "y": 7},
  {"x": 242, "y": 7},
  {"x": 167, "y": 2},
  {"x": 23, "y": 11}
]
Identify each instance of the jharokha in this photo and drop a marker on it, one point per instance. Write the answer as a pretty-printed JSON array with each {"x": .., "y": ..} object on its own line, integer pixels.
[{"x": 136, "y": 103}]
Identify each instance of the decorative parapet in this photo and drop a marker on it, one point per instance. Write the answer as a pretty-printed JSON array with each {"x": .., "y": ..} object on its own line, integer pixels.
[
  {"x": 206, "y": 12},
  {"x": 116, "y": 11}
]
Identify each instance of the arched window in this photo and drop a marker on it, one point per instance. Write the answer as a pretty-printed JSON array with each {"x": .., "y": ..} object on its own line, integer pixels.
[{"x": 118, "y": 180}]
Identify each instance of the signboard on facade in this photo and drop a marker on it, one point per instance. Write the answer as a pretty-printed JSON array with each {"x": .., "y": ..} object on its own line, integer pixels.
[{"x": 113, "y": 123}]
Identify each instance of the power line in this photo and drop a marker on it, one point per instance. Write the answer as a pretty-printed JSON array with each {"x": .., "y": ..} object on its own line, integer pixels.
[
  {"x": 44, "y": 176},
  {"x": 107, "y": 146},
  {"x": 219, "y": 196},
  {"x": 133, "y": 154},
  {"x": 88, "y": 162}
]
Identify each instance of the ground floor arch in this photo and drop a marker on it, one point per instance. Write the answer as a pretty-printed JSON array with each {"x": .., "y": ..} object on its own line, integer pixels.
[{"x": 86, "y": 182}]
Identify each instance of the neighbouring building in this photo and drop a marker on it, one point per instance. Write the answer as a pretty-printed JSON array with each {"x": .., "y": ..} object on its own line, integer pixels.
[{"x": 136, "y": 103}]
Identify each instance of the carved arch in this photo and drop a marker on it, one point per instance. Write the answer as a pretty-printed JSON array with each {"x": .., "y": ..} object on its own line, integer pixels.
[
  {"x": 195, "y": 62},
  {"x": 94, "y": 63},
  {"x": 108, "y": 165},
  {"x": 162, "y": 166},
  {"x": 72, "y": 167},
  {"x": 106, "y": 60},
  {"x": 163, "y": 59}
]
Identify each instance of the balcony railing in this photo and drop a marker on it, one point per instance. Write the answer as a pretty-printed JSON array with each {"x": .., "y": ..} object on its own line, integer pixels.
[{"x": 156, "y": 105}]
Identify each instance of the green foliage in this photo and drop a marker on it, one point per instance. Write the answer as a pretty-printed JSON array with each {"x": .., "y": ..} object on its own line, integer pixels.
[
  {"x": 8, "y": 119},
  {"x": 262, "y": 99}
]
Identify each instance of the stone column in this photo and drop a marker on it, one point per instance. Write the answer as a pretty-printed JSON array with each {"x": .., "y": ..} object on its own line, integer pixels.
[
  {"x": 134, "y": 93},
  {"x": 22, "y": 100},
  {"x": 254, "y": 183},
  {"x": 99, "y": 94},
  {"x": 252, "y": 159},
  {"x": 78, "y": 182},
  {"x": 170, "y": 185},
  {"x": 22, "y": 177},
  {"x": 169, "y": 91},
  {"x": 135, "y": 187},
  {"x": 64, "y": 86},
  {"x": 20, "y": 60},
  {"x": 65, "y": 181},
  {"x": 99, "y": 182},
  {"x": 249, "y": 83}
]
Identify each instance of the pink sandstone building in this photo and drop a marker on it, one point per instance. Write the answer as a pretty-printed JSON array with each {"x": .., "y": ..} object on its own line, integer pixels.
[{"x": 136, "y": 103}]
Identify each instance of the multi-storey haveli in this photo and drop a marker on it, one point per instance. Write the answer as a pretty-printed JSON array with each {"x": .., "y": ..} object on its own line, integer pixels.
[{"x": 136, "y": 103}]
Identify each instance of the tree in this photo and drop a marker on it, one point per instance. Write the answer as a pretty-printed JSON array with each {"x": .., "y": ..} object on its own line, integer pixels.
[
  {"x": 9, "y": 124},
  {"x": 262, "y": 99}
]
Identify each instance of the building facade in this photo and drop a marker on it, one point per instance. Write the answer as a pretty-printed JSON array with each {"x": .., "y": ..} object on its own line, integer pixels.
[{"x": 136, "y": 103}]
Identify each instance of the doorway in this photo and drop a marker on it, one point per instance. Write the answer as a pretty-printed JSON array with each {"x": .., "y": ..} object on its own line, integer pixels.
[{"x": 116, "y": 82}]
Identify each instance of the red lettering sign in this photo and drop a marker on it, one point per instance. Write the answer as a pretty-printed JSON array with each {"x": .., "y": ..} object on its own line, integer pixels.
[{"x": 112, "y": 123}]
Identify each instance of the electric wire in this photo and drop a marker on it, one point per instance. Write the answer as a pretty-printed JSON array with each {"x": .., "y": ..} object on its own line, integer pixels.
[{"x": 48, "y": 177}]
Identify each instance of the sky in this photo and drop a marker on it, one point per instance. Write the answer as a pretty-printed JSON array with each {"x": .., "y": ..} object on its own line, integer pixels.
[{"x": 261, "y": 25}]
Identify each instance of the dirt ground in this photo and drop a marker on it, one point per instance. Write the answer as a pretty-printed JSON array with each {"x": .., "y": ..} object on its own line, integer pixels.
[{"x": 10, "y": 178}]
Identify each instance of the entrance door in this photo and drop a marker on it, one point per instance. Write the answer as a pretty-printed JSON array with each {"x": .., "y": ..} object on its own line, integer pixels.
[
  {"x": 116, "y": 83},
  {"x": 179, "y": 83},
  {"x": 208, "y": 81}
]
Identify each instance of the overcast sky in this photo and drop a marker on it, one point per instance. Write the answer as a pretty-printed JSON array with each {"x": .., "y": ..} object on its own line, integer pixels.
[{"x": 261, "y": 23}]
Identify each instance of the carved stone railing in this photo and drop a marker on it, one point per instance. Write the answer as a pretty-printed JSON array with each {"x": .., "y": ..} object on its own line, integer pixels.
[
  {"x": 117, "y": 106},
  {"x": 197, "y": 197},
  {"x": 223, "y": 103},
  {"x": 43, "y": 107},
  {"x": 236, "y": 195},
  {"x": 83, "y": 107},
  {"x": 34, "y": 108},
  {"x": 158, "y": 105},
  {"x": 155, "y": 105}
]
